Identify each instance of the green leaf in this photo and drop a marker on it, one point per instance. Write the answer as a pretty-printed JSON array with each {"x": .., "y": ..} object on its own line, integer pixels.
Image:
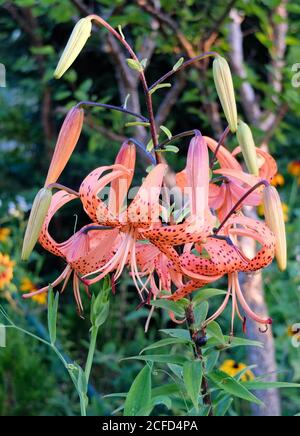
[
  {"x": 201, "y": 312},
  {"x": 137, "y": 123},
  {"x": 150, "y": 146},
  {"x": 223, "y": 405},
  {"x": 168, "y": 389},
  {"x": 166, "y": 131},
  {"x": 169, "y": 149},
  {"x": 206, "y": 294},
  {"x": 258, "y": 385},
  {"x": 165, "y": 343},
  {"x": 232, "y": 387},
  {"x": 178, "y": 64},
  {"x": 172, "y": 306},
  {"x": 192, "y": 377},
  {"x": 211, "y": 361},
  {"x": 160, "y": 358},
  {"x": 135, "y": 65},
  {"x": 121, "y": 32},
  {"x": 160, "y": 86},
  {"x": 52, "y": 314},
  {"x": 139, "y": 395},
  {"x": 177, "y": 333},
  {"x": 100, "y": 305},
  {"x": 214, "y": 330}
]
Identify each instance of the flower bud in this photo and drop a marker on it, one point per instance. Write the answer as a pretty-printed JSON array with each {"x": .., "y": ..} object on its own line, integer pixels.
[
  {"x": 37, "y": 217},
  {"x": 121, "y": 185},
  {"x": 81, "y": 32},
  {"x": 225, "y": 90},
  {"x": 66, "y": 142},
  {"x": 100, "y": 305},
  {"x": 275, "y": 220},
  {"x": 246, "y": 142}
]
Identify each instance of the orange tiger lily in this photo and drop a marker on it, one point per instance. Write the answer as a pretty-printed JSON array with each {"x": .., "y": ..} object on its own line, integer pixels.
[{"x": 84, "y": 251}]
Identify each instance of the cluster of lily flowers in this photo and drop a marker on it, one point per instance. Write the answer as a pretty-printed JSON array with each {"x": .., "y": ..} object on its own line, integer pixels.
[{"x": 173, "y": 242}]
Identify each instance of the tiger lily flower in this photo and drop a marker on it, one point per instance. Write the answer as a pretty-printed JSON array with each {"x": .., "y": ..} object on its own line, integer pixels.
[
  {"x": 83, "y": 252},
  {"x": 236, "y": 182},
  {"x": 199, "y": 224},
  {"x": 142, "y": 213},
  {"x": 224, "y": 257}
]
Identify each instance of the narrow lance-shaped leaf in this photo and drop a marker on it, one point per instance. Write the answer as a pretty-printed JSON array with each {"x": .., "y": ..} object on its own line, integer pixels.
[
  {"x": 192, "y": 377},
  {"x": 139, "y": 395}
]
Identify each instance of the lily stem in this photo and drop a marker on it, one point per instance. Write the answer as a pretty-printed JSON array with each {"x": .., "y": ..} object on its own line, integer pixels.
[
  {"x": 190, "y": 320},
  {"x": 220, "y": 143}
]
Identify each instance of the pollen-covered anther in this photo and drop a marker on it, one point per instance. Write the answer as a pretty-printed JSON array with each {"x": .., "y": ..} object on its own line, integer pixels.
[
  {"x": 225, "y": 90},
  {"x": 275, "y": 220}
]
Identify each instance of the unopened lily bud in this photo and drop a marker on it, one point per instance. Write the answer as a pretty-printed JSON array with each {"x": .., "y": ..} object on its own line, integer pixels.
[
  {"x": 120, "y": 186},
  {"x": 197, "y": 170},
  {"x": 37, "y": 217},
  {"x": 225, "y": 90},
  {"x": 66, "y": 142},
  {"x": 246, "y": 142},
  {"x": 81, "y": 32},
  {"x": 275, "y": 220}
]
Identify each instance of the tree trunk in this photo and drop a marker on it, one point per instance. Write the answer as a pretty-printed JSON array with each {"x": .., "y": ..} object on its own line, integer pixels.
[{"x": 263, "y": 358}]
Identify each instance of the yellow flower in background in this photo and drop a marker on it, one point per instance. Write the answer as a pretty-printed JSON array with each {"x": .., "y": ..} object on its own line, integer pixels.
[
  {"x": 278, "y": 180},
  {"x": 4, "y": 233},
  {"x": 6, "y": 270},
  {"x": 291, "y": 331},
  {"x": 233, "y": 368},
  {"x": 27, "y": 286},
  {"x": 285, "y": 208},
  {"x": 294, "y": 168}
]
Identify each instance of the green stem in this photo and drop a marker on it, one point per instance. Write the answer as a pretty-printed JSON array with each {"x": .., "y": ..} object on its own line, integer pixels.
[
  {"x": 190, "y": 319},
  {"x": 92, "y": 348}
]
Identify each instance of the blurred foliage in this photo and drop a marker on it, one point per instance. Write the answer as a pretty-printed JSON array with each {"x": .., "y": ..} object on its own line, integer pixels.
[{"x": 32, "y": 107}]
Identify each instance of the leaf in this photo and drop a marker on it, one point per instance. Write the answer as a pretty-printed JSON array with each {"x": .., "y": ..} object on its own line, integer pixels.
[
  {"x": 121, "y": 32},
  {"x": 257, "y": 385},
  {"x": 160, "y": 86},
  {"x": 52, "y": 314},
  {"x": 169, "y": 149},
  {"x": 206, "y": 294},
  {"x": 159, "y": 358},
  {"x": 172, "y": 306},
  {"x": 232, "y": 343},
  {"x": 212, "y": 360},
  {"x": 214, "y": 330},
  {"x": 232, "y": 387},
  {"x": 165, "y": 343},
  {"x": 134, "y": 65},
  {"x": 144, "y": 63},
  {"x": 168, "y": 389},
  {"x": 150, "y": 146},
  {"x": 192, "y": 377},
  {"x": 137, "y": 123},
  {"x": 166, "y": 131},
  {"x": 177, "y": 333},
  {"x": 178, "y": 64},
  {"x": 201, "y": 312},
  {"x": 139, "y": 395},
  {"x": 223, "y": 405}
]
